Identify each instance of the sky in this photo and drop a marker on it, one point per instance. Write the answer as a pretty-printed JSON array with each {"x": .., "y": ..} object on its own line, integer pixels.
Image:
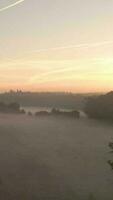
[{"x": 56, "y": 45}]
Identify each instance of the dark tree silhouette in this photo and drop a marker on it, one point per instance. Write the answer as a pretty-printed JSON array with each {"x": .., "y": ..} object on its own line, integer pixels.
[
  {"x": 100, "y": 107},
  {"x": 110, "y": 162},
  {"x": 11, "y": 108}
]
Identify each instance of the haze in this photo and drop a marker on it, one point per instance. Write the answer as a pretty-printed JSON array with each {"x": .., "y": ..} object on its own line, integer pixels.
[{"x": 51, "y": 158}]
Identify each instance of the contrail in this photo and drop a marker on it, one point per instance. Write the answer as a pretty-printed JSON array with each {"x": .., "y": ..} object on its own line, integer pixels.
[
  {"x": 44, "y": 77},
  {"x": 73, "y": 46},
  {"x": 11, "y": 5},
  {"x": 77, "y": 46}
]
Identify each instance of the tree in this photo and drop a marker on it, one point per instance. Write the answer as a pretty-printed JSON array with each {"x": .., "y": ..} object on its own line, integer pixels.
[
  {"x": 110, "y": 162},
  {"x": 100, "y": 107}
]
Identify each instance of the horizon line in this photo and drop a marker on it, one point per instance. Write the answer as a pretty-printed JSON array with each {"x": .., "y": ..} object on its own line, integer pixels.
[{"x": 68, "y": 92}]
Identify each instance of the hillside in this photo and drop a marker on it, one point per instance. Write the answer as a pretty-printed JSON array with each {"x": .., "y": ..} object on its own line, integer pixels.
[
  {"x": 100, "y": 106},
  {"x": 59, "y": 100}
]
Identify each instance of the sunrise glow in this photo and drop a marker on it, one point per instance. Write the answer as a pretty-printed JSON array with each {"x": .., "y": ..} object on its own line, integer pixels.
[{"x": 46, "y": 46}]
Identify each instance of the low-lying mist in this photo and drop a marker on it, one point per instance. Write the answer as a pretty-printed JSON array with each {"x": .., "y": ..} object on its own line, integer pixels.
[{"x": 54, "y": 158}]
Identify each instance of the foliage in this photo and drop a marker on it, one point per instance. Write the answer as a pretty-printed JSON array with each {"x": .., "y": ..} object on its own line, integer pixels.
[
  {"x": 110, "y": 162},
  {"x": 100, "y": 107},
  {"x": 10, "y": 108}
]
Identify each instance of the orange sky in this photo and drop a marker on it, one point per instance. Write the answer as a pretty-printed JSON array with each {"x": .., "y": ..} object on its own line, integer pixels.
[{"x": 56, "y": 45}]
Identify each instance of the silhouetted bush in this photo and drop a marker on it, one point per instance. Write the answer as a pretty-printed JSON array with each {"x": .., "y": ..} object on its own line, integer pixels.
[
  {"x": 42, "y": 113},
  {"x": 11, "y": 108},
  {"x": 58, "y": 113},
  {"x": 30, "y": 113},
  {"x": 110, "y": 162}
]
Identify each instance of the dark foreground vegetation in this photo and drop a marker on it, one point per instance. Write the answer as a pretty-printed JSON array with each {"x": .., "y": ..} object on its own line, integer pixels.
[
  {"x": 59, "y": 113},
  {"x": 110, "y": 162},
  {"x": 16, "y": 109},
  {"x": 11, "y": 108},
  {"x": 100, "y": 107}
]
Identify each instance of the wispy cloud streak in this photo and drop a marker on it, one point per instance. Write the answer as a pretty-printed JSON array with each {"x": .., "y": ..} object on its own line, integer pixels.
[
  {"x": 11, "y": 5},
  {"x": 76, "y": 46}
]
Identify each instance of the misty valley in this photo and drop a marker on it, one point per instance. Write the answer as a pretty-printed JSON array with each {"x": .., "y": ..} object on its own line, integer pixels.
[
  {"x": 56, "y": 99},
  {"x": 55, "y": 154}
]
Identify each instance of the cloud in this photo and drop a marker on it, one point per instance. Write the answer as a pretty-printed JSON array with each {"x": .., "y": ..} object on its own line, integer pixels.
[{"x": 11, "y": 5}]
